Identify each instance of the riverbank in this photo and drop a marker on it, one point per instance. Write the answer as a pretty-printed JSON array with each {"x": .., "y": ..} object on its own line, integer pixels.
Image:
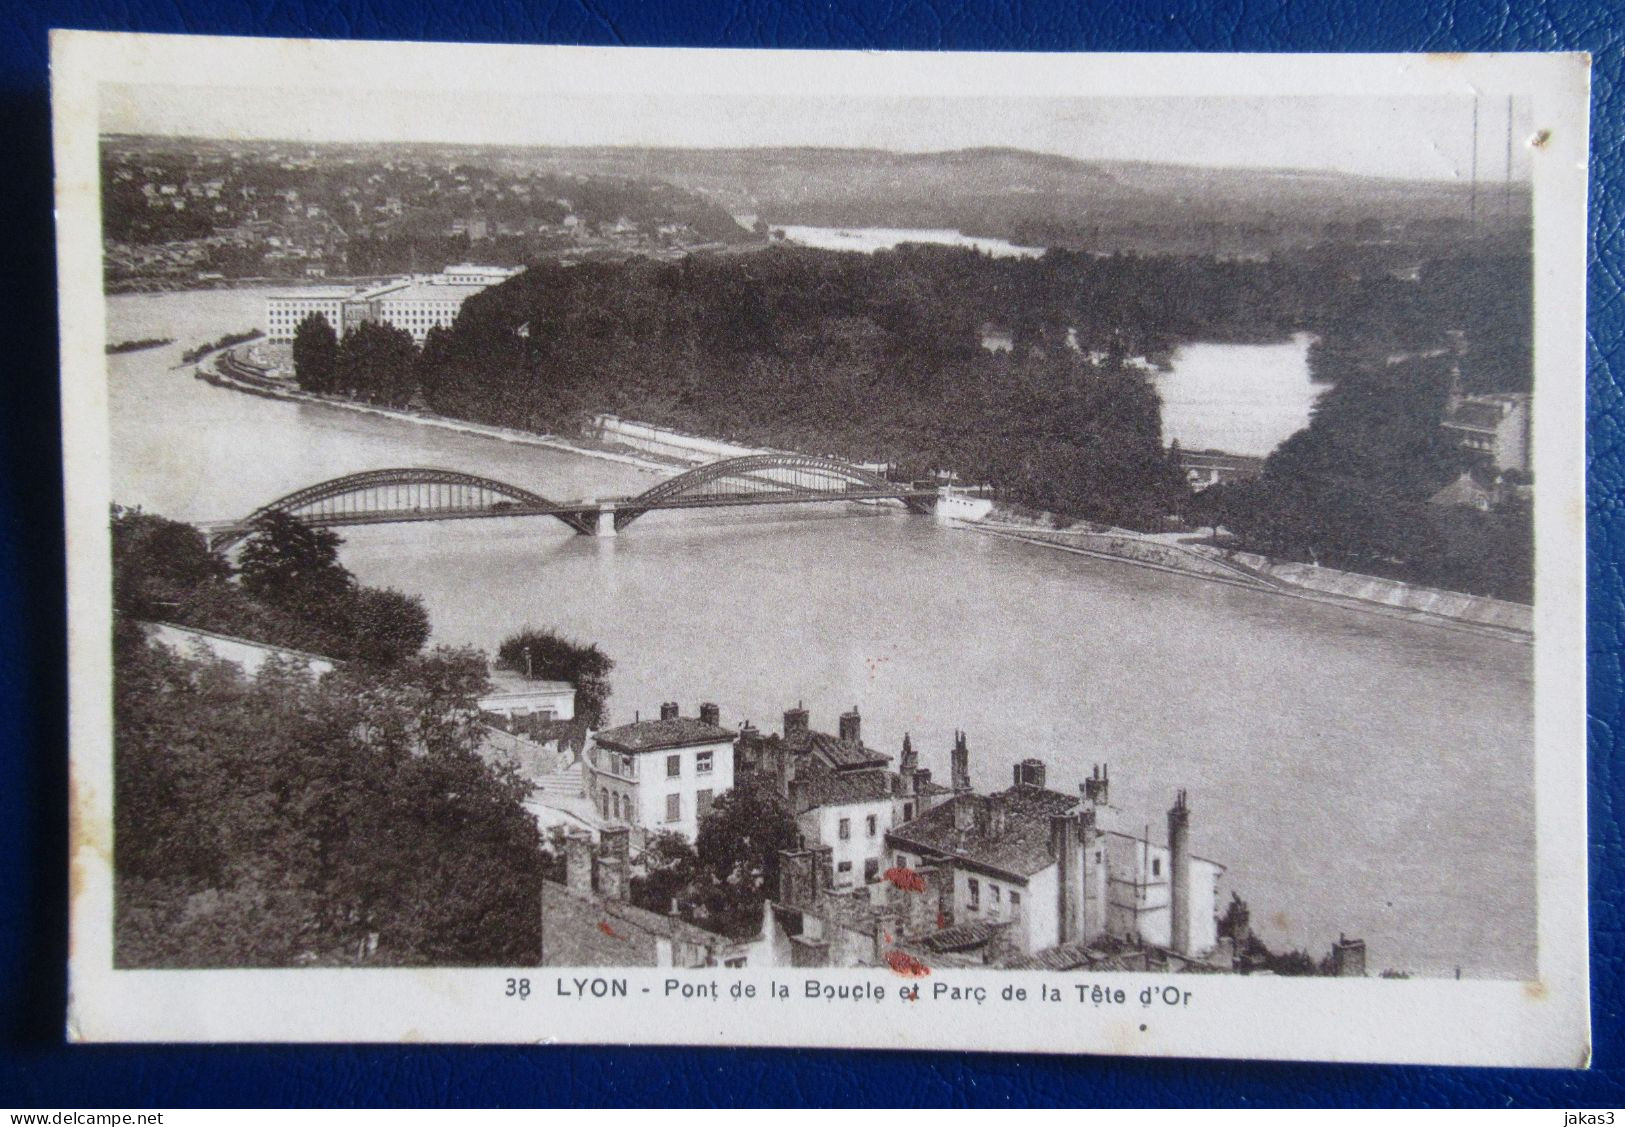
[
  {"x": 222, "y": 369},
  {"x": 662, "y": 451},
  {"x": 1452, "y": 610}
]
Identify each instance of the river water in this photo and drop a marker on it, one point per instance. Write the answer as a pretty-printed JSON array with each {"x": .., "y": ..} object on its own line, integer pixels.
[
  {"x": 1355, "y": 773},
  {"x": 867, "y": 240},
  {"x": 1239, "y": 398}
]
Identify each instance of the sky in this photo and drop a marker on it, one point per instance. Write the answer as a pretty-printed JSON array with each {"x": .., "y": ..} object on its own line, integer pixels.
[{"x": 1418, "y": 137}]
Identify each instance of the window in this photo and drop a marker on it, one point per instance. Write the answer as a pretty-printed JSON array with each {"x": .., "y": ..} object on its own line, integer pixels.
[
  {"x": 844, "y": 830},
  {"x": 902, "y": 862},
  {"x": 674, "y": 766},
  {"x": 702, "y": 802},
  {"x": 871, "y": 824},
  {"x": 603, "y": 803},
  {"x": 871, "y": 870},
  {"x": 674, "y": 808},
  {"x": 1015, "y": 904},
  {"x": 844, "y": 867},
  {"x": 629, "y": 766},
  {"x": 1156, "y": 866},
  {"x": 908, "y": 811},
  {"x": 993, "y": 892},
  {"x": 702, "y": 763},
  {"x": 974, "y": 894}
]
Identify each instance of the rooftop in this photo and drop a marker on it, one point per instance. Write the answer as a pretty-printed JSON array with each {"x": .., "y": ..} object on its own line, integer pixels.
[
  {"x": 840, "y": 789},
  {"x": 841, "y": 755},
  {"x": 653, "y": 735},
  {"x": 1020, "y": 851},
  {"x": 504, "y": 683},
  {"x": 591, "y": 931}
]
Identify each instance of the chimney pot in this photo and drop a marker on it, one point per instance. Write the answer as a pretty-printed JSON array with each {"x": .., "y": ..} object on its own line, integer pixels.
[
  {"x": 711, "y": 714},
  {"x": 795, "y": 720},
  {"x": 669, "y": 710}
]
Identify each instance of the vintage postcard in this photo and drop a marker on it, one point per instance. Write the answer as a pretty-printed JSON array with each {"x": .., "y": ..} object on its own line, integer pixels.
[{"x": 1049, "y": 553}]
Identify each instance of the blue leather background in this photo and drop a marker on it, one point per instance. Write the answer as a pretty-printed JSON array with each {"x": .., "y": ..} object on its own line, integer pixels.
[{"x": 37, "y": 1069}]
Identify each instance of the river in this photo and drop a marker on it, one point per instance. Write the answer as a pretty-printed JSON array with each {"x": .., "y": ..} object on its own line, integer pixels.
[
  {"x": 867, "y": 240},
  {"x": 1356, "y": 773},
  {"x": 1239, "y": 398}
]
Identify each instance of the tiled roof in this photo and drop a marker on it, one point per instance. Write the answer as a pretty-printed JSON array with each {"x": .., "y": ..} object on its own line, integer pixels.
[
  {"x": 962, "y": 937},
  {"x": 651, "y": 735},
  {"x": 590, "y": 931},
  {"x": 1020, "y": 851},
  {"x": 1039, "y": 802},
  {"x": 842, "y": 755},
  {"x": 841, "y": 789}
]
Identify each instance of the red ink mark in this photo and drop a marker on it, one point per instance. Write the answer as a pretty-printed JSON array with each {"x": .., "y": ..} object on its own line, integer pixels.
[
  {"x": 886, "y": 935},
  {"x": 906, "y": 879},
  {"x": 607, "y": 930},
  {"x": 906, "y": 965},
  {"x": 942, "y": 920}
]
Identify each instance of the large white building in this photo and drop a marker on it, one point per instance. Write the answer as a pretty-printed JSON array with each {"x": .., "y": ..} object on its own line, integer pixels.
[
  {"x": 416, "y": 304},
  {"x": 661, "y": 774}
]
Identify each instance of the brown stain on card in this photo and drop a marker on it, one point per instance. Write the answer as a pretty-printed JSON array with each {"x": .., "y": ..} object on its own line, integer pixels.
[
  {"x": 89, "y": 831},
  {"x": 1535, "y": 991},
  {"x": 1541, "y": 139}
]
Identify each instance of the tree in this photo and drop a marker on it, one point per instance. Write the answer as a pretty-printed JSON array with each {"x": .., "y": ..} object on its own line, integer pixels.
[
  {"x": 738, "y": 853},
  {"x": 315, "y": 354},
  {"x": 288, "y": 562},
  {"x": 158, "y": 563},
  {"x": 281, "y": 821},
  {"x": 378, "y": 363},
  {"x": 670, "y": 867},
  {"x": 385, "y": 626},
  {"x": 545, "y": 655}
]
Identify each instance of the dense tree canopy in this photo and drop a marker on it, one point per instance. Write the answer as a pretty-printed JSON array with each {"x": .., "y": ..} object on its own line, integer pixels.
[
  {"x": 291, "y": 590},
  {"x": 316, "y": 354},
  {"x": 545, "y": 655},
  {"x": 277, "y": 821}
]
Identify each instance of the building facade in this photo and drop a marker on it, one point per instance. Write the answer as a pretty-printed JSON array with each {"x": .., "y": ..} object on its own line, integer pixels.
[
  {"x": 1493, "y": 427},
  {"x": 513, "y": 696},
  {"x": 1046, "y": 869},
  {"x": 416, "y": 304},
  {"x": 661, "y": 774}
]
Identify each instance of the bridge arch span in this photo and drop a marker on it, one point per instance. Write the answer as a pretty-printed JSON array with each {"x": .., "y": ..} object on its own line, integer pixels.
[
  {"x": 379, "y": 496},
  {"x": 764, "y": 479}
]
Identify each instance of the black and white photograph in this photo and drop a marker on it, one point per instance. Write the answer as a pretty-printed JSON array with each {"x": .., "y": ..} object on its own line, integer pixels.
[{"x": 708, "y": 547}]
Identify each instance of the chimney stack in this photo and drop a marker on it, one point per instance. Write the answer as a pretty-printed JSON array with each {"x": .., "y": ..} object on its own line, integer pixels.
[
  {"x": 616, "y": 841},
  {"x": 578, "y": 863},
  {"x": 795, "y": 720},
  {"x": 1063, "y": 843},
  {"x": 1030, "y": 773},
  {"x": 612, "y": 877},
  {"x": 908, "y": 762},
  {"x": 823, "y": 868},
  {"x": 965, "y": 812},
  {"x": 669, "y": 710},
  {"x": 711, "y": 714},
  {"x": 1179, "y": 863},
  {"x": 851, "y": 726},
  {"x": 997, "y": 815},
  {"x": 960, "y": 761},
  {"x": 1097, "y": 787},
  {"x": 1092, "y": 904},
  {"x": 795, "y": 877}
]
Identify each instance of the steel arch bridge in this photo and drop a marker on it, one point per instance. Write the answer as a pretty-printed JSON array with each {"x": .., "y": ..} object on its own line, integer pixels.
[{"x": 400, "y": 495}]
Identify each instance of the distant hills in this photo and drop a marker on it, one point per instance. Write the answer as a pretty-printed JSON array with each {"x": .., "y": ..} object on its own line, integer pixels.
[
  {"x": 1048, "y": 199},
  {"x": 1028, "y": 197}
]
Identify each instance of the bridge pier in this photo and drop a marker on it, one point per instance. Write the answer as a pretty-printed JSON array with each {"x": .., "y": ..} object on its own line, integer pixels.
[{"x": 606, "y": 519}]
